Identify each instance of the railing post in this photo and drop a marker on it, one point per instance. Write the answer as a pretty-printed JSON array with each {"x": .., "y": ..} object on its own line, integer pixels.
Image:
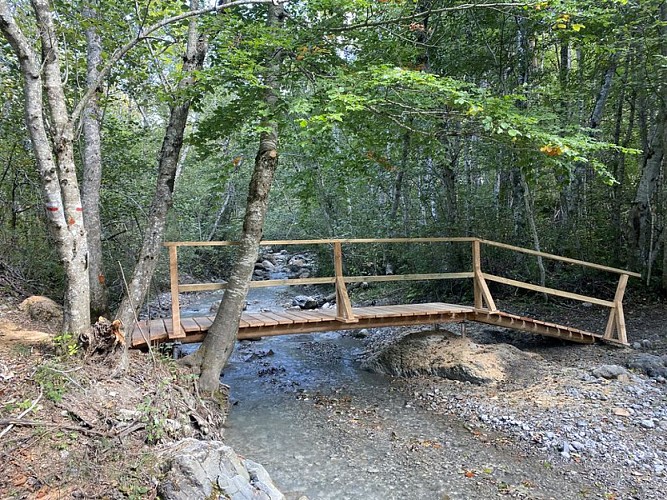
[
  {"x": 476, "y": 270},
  {"x": 481, "y": 289},
  {"x": 343, "y": 305},
  {"x": 616, "y": 319},
  {"x": 177, "y": 332}
]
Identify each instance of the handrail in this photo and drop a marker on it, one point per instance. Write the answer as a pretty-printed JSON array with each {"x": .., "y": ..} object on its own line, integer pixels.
[
  {"x": 483, "y": 300},
  {"x": 322, "y": 242},
  {"x": 560, "y": 258}
]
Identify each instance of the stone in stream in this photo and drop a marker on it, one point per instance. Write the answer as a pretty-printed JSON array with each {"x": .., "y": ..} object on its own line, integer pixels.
[
  {"x": 447, "y": 355},
  {"x": 305, "y": 302},
  {"x": 609, "y": 371},
  {"x": 201, "y": 469},
  {"x": 649, "y": 364}
]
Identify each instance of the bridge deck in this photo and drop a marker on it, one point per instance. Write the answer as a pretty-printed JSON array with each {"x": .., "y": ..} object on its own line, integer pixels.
[{"x": 286, "y": 322}]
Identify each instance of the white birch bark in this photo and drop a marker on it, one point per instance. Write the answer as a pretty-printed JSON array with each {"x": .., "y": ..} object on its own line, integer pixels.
[
  {"x": 58, "y": 173},
  {"x": 92, "y": 172}
]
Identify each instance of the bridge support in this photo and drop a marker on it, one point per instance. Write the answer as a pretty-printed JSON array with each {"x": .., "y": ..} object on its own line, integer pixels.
[
  {"x": 343, "y": 305},
  {"x": 616, "y": 322},
  {"x": 481, "y": 289},
  {"x": 177, "y": 332}
]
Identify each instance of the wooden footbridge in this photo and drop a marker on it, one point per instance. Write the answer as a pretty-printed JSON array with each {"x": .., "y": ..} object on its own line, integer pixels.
[{"x": 346, "y": 317}]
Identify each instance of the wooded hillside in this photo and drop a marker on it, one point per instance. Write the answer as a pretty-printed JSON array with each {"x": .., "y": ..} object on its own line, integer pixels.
[{"x": 540, "y": 124}]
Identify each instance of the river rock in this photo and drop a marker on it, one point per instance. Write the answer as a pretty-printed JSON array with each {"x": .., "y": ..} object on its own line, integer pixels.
[
  {"x": 43, "y": 309},
  {"x": 211, "y": 469},
  {"x": 305, "y": 302},
  {"x": 266, "y": 265},
  {"x": 609, "y": 371},
  {"x": 649, "y": 364},
  {"x": 297, "y": 261},
  {"x": 449, "y": 356}
]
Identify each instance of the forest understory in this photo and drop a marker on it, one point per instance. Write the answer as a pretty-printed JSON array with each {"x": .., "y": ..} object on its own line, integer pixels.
[{"x": 79, "y": 434}]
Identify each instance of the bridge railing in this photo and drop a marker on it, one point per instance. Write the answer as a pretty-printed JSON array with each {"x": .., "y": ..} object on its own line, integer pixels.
[{"x": 483, "y": 300}]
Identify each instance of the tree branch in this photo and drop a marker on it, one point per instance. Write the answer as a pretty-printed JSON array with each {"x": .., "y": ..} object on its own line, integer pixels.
[
  {"x": 420, "y": 15},
  {"x": 121, "y": 51}
]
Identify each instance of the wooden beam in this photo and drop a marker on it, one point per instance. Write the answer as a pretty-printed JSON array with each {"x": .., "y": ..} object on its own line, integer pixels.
[
  {"x": 326, "y": 280},
  {"x": 328, "y": 241},
  {"x": 533, "y": 326},
  {"x": 476, "y": 271},
  {"x": 481, "y": 289},
  {"x": 177, "y": 332},
  {"x": 408, "y": 277},
  {"x": 343, "y": 306},
  {"x": 559, "y": 258},
  {"x": 202, "y": 287},
  {"x": 550, "y": 291},
  {"x": 616, "y": 320}
]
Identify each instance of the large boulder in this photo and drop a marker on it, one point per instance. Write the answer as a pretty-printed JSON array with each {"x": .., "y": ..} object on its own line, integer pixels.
[
  {"x": 447, "y": 355},
  {"x": 42, "y": 309},
  {"x": 210, "y": 469},
  {"x": 649, "y": 364},
  {"x": 305, "y": 302}
]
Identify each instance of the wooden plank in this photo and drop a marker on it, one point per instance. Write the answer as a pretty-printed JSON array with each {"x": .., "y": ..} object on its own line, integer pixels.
[
  {"x": 156, "y": 328},
  {"x": 559, "y": 258},
  {"x": 190, "y": 325},
  {"x": 177, "y": 333},
  {"x": 388, "y": 311},
  {"x": 203, "y": 322},
  {"x": 169, "y": 327},
  {"x": 530, "y": 325},
  {"x": 293, "y": 316},
  {"x": 202, "y": 287},
  {"x": 302, "y": 317},
  {"x": 408, "y": 277},
  {"x": 407, "y": 310},
  {"x": 140, "y": 333},
  {"x": 258, "y": 319},
  {"x": 282, "y": 320},
  {"x": 326, "y": 280},
  {"x": 322, "y": 241},
  {"x": 550, "y": 291},
  {"x": 366, "y": 312}
]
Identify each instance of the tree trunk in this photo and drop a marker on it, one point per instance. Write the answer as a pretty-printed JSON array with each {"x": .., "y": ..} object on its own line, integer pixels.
[
  {"x": 58, "y": 173},
  {"x": 530, "y": 215},
  {"x": 92, "y": 173},
  {"x": 163, "y": 198},
  {"x": 211, "y": 358},
  {"x": 640, "y": 216}
]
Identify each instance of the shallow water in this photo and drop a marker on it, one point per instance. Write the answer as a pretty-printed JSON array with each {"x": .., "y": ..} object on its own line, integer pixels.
[{"x": 323, "y": 427}]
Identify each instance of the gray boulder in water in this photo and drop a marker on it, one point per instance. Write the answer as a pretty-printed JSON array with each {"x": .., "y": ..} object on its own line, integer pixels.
[
  {"x": 305, "y": 302},
  {"x": 201, "y": 469}
]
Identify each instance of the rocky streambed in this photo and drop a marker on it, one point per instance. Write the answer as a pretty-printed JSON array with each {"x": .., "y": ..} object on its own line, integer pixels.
[
  {"x": 432, "y": 414},
  {"x": 526, "y": 417},
  {"x": 324, "y": 428}
]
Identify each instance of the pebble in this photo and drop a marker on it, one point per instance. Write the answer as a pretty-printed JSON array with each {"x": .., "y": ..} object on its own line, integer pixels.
[{"x": 647, "y": 424}]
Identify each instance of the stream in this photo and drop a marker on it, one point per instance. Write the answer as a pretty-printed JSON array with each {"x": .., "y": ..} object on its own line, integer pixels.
[{"x": 325, "y": 429}]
